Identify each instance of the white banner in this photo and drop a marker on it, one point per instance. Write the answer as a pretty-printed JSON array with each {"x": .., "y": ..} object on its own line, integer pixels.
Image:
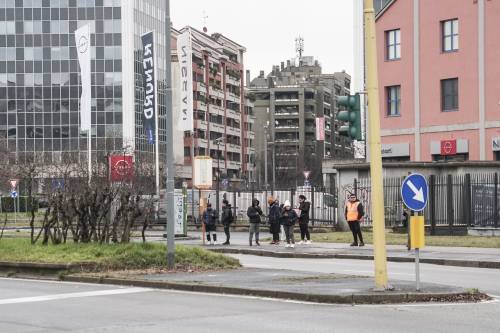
[
  {"x": 82, "y": 39},
  {"x": 320, "y": 129},
  {"x": 184, "y": 54},
  {"x": 202, "y": 172}
]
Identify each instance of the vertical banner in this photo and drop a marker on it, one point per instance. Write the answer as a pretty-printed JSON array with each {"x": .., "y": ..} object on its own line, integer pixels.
[
  {"x": 184, "y": 54},
  {"x": 320, "y": 129},
  {"x": 82, "y": 41},
  {"x": 148, "y": 78}
]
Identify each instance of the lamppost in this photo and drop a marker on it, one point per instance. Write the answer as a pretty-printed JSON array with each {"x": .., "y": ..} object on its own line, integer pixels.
[{"x": 218, "y": 142}]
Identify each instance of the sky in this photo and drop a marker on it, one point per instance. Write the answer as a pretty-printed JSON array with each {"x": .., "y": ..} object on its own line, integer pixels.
[{"x": 268, "y": 28}]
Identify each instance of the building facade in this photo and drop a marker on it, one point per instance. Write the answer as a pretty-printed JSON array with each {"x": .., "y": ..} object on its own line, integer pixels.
[
  {"x": 287, "y": 103},
  {"x": 40, "y": 82},
  {"x": 438, "y": 79},
  {"x": 222, "y": 112}
]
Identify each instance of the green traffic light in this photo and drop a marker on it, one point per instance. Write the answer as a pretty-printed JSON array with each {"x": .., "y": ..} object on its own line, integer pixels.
[{"x": 352, "y": 116}]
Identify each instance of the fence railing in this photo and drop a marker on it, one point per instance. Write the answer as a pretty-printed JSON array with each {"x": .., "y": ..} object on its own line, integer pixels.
[
  {"x": 323, "y": 209},
  {"x": 469, "y": 200}
]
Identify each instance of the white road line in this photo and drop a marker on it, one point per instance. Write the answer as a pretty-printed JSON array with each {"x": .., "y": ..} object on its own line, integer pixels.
[{"x": 73, "y": 295}]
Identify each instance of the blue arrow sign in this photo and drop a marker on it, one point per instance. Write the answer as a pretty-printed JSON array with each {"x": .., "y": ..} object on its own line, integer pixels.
[
  {"x": 13, "y": 194},
  {"x": 415, "y": 192}
]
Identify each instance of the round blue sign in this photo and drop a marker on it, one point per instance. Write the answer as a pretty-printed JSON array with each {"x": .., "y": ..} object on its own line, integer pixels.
[{"x": 415, "y": 192}]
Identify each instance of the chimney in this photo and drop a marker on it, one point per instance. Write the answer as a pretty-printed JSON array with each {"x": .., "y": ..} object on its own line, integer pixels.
[
  {"x": 288, "y": 63},
  {"x": 282, "y": 66},
  {"x": 247, "y": 77},
  {"x": 261, "y": 74}
]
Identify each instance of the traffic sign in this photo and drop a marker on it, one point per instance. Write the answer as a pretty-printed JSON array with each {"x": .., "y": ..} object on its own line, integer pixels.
[
  {"x": 13, "y": 194},
  {"x": 13, "y": 183},
  {"x": 415, "y": 192}
]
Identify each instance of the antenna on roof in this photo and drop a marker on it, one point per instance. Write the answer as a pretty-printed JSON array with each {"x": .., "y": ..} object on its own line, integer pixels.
[
  {"x": 299, "y": 46},
  {"x": 205, "y": 16}
]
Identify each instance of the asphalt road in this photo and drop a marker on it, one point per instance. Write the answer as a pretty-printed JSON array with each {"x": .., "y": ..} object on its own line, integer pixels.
[{"x": 40, "y": 306}]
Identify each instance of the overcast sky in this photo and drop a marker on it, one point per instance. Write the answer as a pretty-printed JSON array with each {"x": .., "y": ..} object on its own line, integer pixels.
[{"x": 268, "y": 28}]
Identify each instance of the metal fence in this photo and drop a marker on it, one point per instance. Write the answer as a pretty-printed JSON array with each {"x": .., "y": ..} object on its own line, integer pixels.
[
  {"x": 323, "y": 204},
  {"x": 469, "y": 200}
]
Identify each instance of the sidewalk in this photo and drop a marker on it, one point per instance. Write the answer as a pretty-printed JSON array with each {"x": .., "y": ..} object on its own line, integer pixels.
[{"x": 448, "y": 256}]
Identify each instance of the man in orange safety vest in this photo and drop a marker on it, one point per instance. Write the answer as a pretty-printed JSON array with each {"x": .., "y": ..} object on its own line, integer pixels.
[{"x": 354, "y": 212}]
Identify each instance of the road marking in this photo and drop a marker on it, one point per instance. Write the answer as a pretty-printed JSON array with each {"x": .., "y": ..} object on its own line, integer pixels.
[{"x": 73, "y": 295}]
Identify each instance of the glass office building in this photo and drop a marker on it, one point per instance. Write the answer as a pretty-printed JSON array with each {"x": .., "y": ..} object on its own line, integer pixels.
[{"x": 40, "y": 78}]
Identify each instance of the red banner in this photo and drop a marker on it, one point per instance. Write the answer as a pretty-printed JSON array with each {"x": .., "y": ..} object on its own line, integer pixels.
[
  {"x": 448, "y": 147},
  {"x": 320, "y": 129},
  {"x": 121, "y": 168}
]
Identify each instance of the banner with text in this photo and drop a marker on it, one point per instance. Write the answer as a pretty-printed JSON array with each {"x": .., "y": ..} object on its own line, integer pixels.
[
  {"x": 149, "y": 85},
  {"x": 320, "y": 129},
  {"x": 82, "y": 41},
  {"x": 184, "y": 54}
]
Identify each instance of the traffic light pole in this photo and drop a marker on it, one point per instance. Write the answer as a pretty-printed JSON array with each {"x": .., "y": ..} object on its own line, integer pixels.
[{"x": 377, "y": 193}]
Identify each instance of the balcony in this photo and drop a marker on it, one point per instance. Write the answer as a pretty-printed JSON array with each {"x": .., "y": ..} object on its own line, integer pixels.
[
  {"x": 233, "y": 81},
  {"x": 232, "y": 97},
  {"x": 216, "y": 92},
  {"x": 200, "y": 86},
  {"x": 233, "y": 165},
  {"x": 233, "y": 114},
  {"x": 233, "y": 131},
  {"x": 200, "y": 105}
]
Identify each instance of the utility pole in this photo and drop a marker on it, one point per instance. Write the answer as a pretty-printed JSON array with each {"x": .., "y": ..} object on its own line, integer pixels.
[
  {"x": 377, "y": 193},
  {"x": 170, "y": 169}
]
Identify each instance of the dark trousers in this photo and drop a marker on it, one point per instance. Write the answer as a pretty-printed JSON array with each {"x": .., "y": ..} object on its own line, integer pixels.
[
  {"x": 275, "y": 231},
  {"x": 227, "y": 232},
  {"x": 289, "y": 234},
  {"x": 356, "y": 231},
  {"x": 304, "y": 231}
]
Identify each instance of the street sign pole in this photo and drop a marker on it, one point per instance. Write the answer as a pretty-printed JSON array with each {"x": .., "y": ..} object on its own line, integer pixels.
[
  {"x": 170, "y": 168},
  {"x": 417, "y": 268}
]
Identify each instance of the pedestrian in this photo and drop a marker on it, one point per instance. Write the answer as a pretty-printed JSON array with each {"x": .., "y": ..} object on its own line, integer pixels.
[
  {"x": 254, "y": 212},
  {"x": 304, "y": 207},
  {"x": 288, "y": 218},
  {"x": 274, "y": 219},
  {"x": 227, "y": 219},
  {"x": 210, "y": 217},
  {"x": 353, "y": 213}
]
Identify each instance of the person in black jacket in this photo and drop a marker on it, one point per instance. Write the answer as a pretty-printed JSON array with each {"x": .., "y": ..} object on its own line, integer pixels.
[
  {"x": 254, "y": 212},
  {"x": 210, "y": 217},
  {"x": 274, "y": 219},
  {"x": 288, "y": 217},
  {"x": 304, "y": 207},
  {"x": 227, "y": 219}
]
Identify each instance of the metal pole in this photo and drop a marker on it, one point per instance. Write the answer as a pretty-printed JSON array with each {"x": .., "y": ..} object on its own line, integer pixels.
[
  {"x": 265, "y": 163},
  {"x": 192, "y": 175},
  {"x": 274, "y": 167},
  {"x": 89, "y": 153},
  {"x": 218, "y": 177},
  {"x": 170, "y": 169},
  {"x": 417, "y": 268},
  {"x": 377, "y": 193}
]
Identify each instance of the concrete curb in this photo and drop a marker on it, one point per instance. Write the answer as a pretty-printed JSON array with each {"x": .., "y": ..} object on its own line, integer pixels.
[
  {"x": 367, "y": 298},
  {"x": 435, "y": 261},
  {"x": 40, "y": 268}
]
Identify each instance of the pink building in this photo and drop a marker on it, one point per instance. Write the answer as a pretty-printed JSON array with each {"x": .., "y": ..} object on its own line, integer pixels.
[{"x": 439, "y": 70}]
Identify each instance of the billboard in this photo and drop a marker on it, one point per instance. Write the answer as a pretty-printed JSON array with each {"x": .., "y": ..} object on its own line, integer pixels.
[
  {"x": 202, "y": 172},
  {"x": 184, "y": 54},
  {"x": 121, "y": 168},
  {"x": 149, "y": 85}
]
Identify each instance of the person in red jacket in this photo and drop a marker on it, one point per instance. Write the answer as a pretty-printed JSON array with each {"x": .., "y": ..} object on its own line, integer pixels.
[{"x": 353, "y": 213}]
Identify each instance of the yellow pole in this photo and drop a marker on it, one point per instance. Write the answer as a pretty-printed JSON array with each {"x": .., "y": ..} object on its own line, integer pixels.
[{"x": 377, "y": 193}]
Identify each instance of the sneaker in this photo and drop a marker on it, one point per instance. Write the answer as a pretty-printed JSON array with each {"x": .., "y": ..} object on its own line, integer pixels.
[
  {"x": 215, "y": 243},
  {"x": 287, "y": 245},
  {"x": 301, "y": 242},
  {"x": 257, "y": 243},
  {"x": 361, "y": 244},
  {"x": 225, "y": 243},
  {"x": 354, "y": 244},
  {"x": 308, "y": 241},
  {"x": 292, "y": 245}
]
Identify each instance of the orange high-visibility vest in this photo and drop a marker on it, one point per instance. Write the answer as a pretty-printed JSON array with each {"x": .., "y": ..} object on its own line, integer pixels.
[{"x": 352, "y": 211}]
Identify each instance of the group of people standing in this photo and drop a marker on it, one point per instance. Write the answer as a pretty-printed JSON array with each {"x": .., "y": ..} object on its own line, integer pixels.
[{"x": 280, "y": 217}]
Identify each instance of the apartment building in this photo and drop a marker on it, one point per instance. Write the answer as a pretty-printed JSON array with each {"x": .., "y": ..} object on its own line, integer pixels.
[
  {"x": 438, "y": 79},
  {"x": 288, "y": 103},
  {"x": 222, "y": 113}
]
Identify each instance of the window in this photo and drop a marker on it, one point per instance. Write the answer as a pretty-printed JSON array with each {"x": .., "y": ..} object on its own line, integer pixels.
[
  {"x": 393, "y": 100},
  {"x": 450, "y": 35},
  {"x": 393, "y": 44},
  {"x": 449, "y": 94}
]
